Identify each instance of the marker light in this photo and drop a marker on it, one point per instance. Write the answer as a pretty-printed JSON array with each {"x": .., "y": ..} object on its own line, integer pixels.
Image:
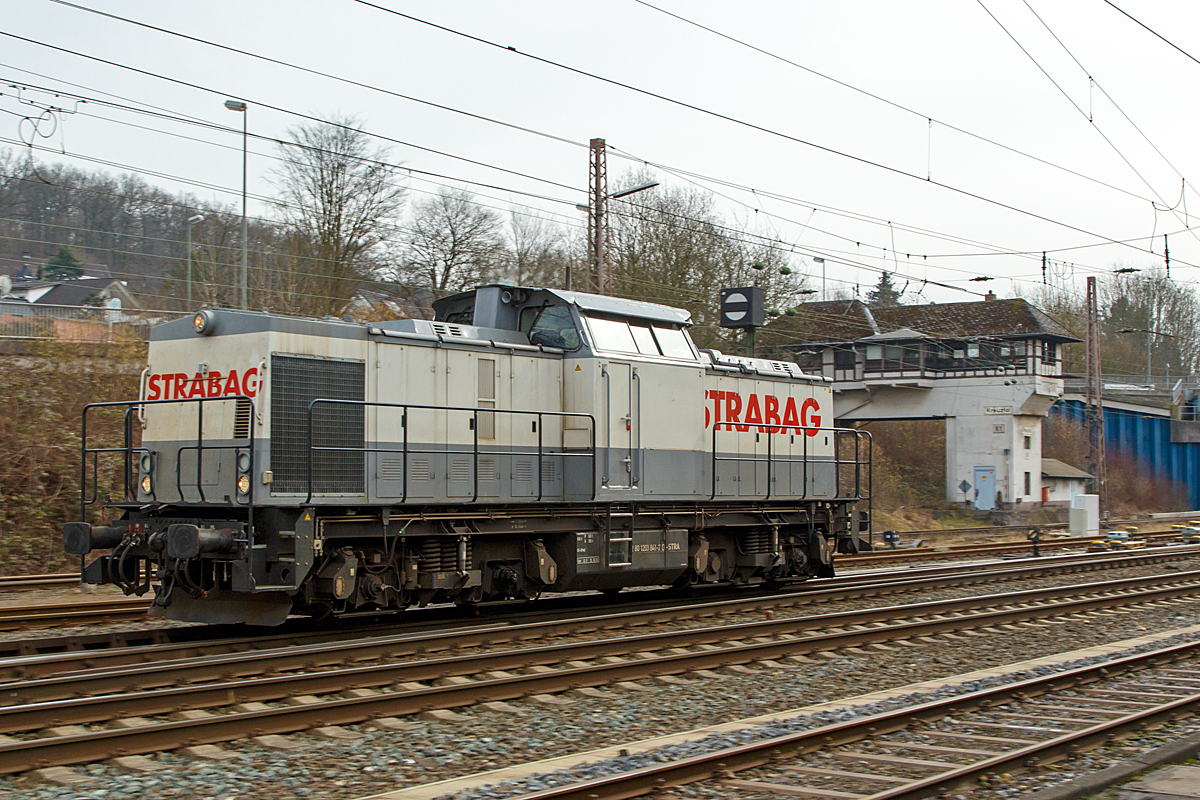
[
  {"x": 243, "y": 484},
  {"x": 146, "y": 485}
]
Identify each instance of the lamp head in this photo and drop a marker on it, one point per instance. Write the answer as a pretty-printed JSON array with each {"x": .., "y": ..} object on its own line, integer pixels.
[{"x": 235, "y": 105}]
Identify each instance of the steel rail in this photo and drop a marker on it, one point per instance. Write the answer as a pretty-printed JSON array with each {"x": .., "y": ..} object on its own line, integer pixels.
[
  {"x": 51, "y": 580},
  {"x": 321, "y": 648},
  {"x": 728, "y": 648},
  {"x": 755, "y": 754},
  {"x": 19, "y": 617}
]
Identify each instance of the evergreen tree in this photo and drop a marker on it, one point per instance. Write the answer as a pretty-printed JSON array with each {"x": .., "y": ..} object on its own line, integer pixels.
[
  {"x": 884, "y": 293},
  {"x": 62, "y": 265}
]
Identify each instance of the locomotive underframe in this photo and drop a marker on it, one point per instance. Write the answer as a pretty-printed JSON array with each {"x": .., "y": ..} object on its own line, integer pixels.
[{"x": 320, "y": 560}]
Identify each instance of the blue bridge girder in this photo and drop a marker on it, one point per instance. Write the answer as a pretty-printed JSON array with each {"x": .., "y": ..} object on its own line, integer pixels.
[{"x": 1145, "y": 436}]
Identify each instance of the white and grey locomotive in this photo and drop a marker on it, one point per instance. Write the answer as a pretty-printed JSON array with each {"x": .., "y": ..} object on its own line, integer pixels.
[{"x": 523, "y": 441}]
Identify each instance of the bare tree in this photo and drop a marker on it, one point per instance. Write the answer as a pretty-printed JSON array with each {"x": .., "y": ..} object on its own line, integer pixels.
[
  {"x": 340, "y": 198},
  {"x": 671, "y": 246},
  {"x": 454, "y": 244},
  {"x": 540, "y": 253}
]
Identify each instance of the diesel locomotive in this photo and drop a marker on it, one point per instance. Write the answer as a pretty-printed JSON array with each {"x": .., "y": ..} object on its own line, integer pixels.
[{"x": 523, "y": 441}]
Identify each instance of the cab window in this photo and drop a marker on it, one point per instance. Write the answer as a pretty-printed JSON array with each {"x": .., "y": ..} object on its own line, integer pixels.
[
  {"x": 614, "y": 335},
  {"x": 673, "y": 342},
  {"x": 551, "y": 326},
  {"x": 611, "y": 335}
]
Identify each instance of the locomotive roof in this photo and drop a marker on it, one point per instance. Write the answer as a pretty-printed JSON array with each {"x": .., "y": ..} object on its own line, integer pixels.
[{"x": 603, "y": 304}]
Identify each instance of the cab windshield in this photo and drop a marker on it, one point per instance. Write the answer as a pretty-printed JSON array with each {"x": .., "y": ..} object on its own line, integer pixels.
[{"x": 550, "y": 326}]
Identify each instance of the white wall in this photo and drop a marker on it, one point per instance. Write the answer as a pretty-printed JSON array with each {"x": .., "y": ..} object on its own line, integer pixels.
[{"x": 987, "y": 420}]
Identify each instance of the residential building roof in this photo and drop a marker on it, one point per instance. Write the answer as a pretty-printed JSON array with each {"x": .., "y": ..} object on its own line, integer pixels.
[{"x": 72, "y": 292}]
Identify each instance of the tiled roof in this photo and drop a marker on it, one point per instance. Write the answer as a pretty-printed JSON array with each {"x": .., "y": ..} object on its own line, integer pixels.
[{"x": 850, "y": 320}]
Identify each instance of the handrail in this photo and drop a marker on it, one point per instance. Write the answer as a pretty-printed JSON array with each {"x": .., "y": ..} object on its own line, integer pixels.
[
  {"x": 607, "y": 477},
  {"x": 128, "y": 452},
  {"x": 474, "y": 452},
  {"x": 636, "y": 452},
  {"x": 773, "y": 459}
]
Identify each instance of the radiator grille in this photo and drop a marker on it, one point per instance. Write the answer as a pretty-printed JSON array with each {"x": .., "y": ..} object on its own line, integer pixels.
[
  {"x": 391, "y": 469},
  {"x": 524, "y": 470},
  {"x": 295, "y": 382}
]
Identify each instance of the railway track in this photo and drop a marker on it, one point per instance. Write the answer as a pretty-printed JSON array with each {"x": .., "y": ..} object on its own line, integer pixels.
[
  {"x": 938, "y": 746},
  {"x": 85, "y": 612},
  {"x": 216, "y": 699},
  {"x": 437, "y": 632},
  {"x": 903, "y": 555}
]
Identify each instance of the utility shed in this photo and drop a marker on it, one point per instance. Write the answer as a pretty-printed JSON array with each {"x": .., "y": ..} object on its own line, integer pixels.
[{"x": 1061, "y": 482}]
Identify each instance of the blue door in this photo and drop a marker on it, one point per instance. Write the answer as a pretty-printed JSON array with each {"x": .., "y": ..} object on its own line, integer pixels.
[{"x": 985, "y": 488}]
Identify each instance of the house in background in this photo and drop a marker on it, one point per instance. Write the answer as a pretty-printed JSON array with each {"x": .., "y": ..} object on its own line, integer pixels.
[
  {"x": 104, "y": 292},
  {"x": 1061, "y": 482}
]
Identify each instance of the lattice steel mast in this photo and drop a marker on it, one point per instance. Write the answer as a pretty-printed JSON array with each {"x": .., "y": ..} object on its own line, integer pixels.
[
  {"x": 1095, "y": 396},
  {"x": 598, "y": 278}
]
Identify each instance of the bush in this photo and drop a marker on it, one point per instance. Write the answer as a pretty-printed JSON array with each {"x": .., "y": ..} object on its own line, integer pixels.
[{"x": 42, "y": 397}]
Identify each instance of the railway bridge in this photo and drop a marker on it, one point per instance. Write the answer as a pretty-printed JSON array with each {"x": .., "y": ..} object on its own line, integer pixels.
[{"x": 1156, "y": 426}]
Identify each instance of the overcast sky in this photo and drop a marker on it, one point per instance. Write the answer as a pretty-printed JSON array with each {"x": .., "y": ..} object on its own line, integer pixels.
[{"x": 786, "y": 140}]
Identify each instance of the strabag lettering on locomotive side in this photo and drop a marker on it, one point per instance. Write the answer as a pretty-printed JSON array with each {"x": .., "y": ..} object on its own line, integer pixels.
[
  {"x": 178, "y": 386},
  {"x": 761, "y": 412}
]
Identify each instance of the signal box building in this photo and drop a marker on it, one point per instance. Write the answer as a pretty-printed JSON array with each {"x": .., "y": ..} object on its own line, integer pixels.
[{"x": 990, "y": 369}]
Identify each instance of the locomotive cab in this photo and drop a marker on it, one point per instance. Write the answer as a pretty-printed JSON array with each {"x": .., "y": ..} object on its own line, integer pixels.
[{"x": 524, "y": 440}]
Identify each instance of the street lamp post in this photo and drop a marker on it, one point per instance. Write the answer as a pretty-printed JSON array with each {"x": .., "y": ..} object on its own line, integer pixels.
[
  {"x": 191, "y": 221},
  {"x": 239, "y": 106},
  {"x": 1148, "y": 343},
  {"x": 596, "y": 216},
  {"x": 821, "y": 261}
]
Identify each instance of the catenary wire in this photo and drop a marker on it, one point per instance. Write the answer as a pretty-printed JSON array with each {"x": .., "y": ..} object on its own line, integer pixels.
[
  {"x": 740, "y": 122},
  {"x": 134, "y": 69},
  {"x": 892, "y": 103},
  {"x": 542, "y": 133},
  {"x": 1077, "y": 107},
  {"x": 278, "y": 109}
]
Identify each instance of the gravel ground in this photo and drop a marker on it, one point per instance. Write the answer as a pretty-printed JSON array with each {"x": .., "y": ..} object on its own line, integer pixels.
[{"x": 432, "y": 750}]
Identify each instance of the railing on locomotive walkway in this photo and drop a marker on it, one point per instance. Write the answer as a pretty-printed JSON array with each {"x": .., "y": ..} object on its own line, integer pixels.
[
  {"x": 540, "y": 450},
  {"x": 849, "y": 457},
  {"x": 19, "y": 320}
]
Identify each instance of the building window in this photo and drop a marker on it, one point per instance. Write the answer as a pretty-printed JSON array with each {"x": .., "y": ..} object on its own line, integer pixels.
[
  {"x": 1028, "y": 442},
  {"x": 1028, "y": 483},
  {"x": 844, "y": 357},
  {"x": 1049, "y": 353}
]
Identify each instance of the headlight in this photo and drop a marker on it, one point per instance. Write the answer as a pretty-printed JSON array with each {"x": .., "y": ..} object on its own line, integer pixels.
[
  {"x": 145, "y": 462},
  {"x": 243, "y": 484},
  {"x": 205, "y": 322},
  {"x": 146, "y": 485}
]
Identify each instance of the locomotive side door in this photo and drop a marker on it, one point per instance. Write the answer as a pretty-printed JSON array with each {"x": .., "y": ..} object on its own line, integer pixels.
[{"x": 618, "y": 388}]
